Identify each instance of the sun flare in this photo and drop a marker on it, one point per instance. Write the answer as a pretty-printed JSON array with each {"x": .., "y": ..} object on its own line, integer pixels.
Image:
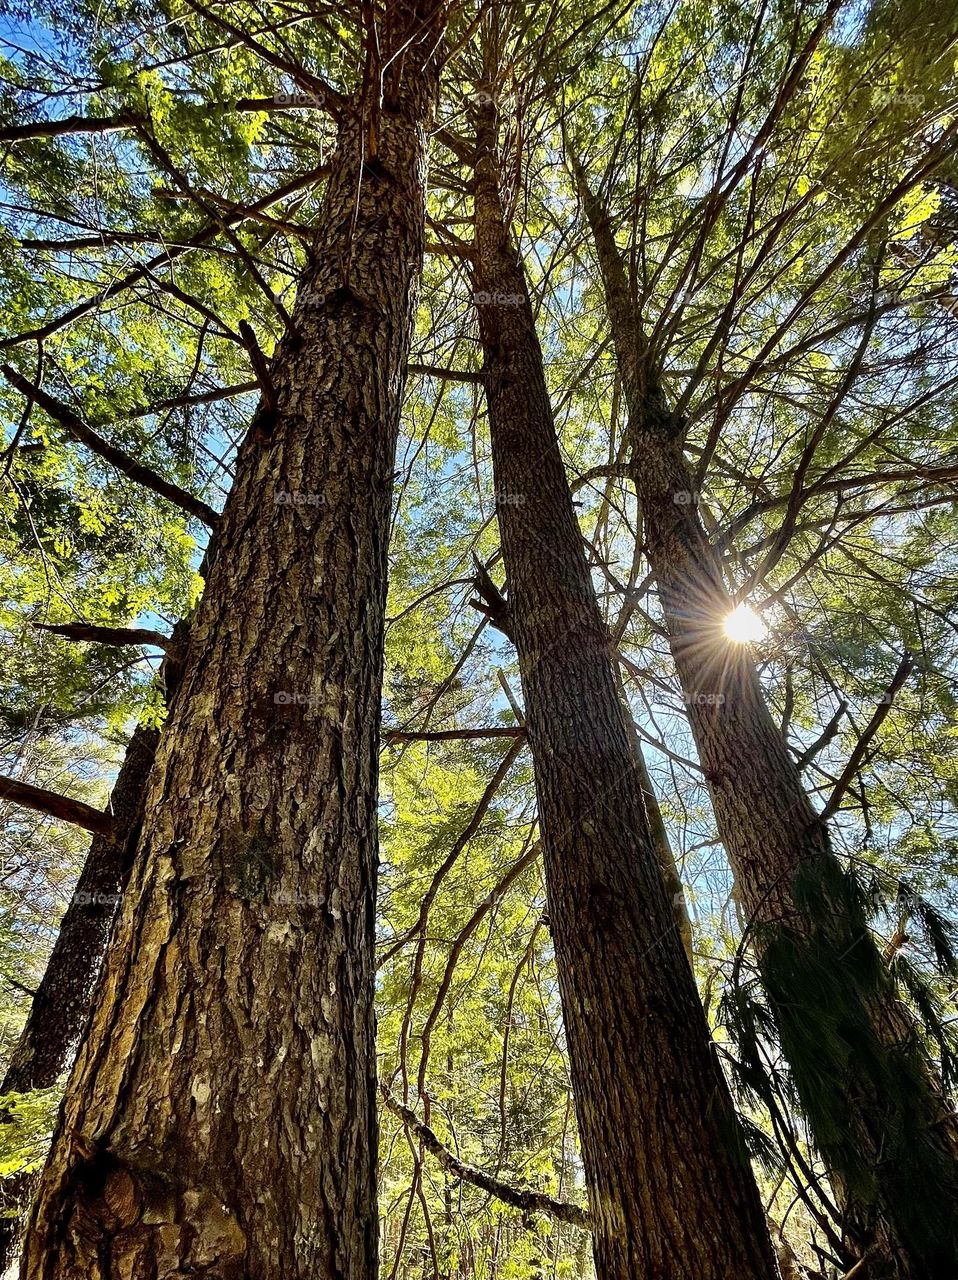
[{"x": 744, "y": 626}]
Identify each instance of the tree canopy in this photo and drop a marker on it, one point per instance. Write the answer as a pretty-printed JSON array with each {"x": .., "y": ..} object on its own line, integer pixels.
[{"x": 779, "y": 180}]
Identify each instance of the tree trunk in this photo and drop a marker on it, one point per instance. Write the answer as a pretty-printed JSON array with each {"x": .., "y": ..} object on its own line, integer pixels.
[
  {"x": 670, "y": 1189},
  {"x": 221, "y": 1116},
  {"x": 62, "y": 997},
  {"x": 868, "y": 1093},
  {"x": 61, "y": 1003}
]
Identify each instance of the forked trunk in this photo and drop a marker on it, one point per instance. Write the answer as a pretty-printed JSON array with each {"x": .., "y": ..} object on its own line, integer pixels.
[
  {"x": 221, "y": 1117},
  {"x": 670, "y": 1188}
]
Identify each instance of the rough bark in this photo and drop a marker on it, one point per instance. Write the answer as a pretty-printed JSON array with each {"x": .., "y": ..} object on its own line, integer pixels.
[
  {"x": 61, "y": 1004},
  {"x": 671, "y": 1193},
  {"x": 869, "y": 1095},
  {"x": 221, "y": 1117}
]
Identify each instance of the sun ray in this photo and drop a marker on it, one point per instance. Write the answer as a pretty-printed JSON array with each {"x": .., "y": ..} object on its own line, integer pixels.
[{"x": 744, "y": 625}]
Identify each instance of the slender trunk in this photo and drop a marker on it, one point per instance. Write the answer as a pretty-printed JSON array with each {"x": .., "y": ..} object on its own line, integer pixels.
[
  {"x": 221, "y": 1116},
  {"x": 884, "y": 1131},
  {"x": 670, "y": 1189},
  {"x": 61, "y": 1003}
]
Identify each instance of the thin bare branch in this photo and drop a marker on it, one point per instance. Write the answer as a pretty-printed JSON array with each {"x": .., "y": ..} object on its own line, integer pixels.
[{"x": 528, "y": 1201}]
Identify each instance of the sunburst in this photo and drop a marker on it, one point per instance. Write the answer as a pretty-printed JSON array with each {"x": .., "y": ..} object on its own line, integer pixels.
[{"x": 744, "y": 625}]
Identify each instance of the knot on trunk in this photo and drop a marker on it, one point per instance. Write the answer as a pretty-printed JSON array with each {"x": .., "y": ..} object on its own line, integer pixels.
[{"x": 129, "y": 1221}]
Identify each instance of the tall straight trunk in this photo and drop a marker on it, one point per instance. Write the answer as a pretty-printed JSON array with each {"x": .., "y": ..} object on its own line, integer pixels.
[
  {"x": 670, "y": 1189},
  {"x": 888, "y": 1139},
  {"x": 221, "y": 1116}
]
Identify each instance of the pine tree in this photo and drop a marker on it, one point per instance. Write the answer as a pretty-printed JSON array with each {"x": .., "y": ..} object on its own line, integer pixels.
[
  {"x": 859, "y": 1062},
  {"x": 221, "y": 1113},
  {"x": 653, "y": 1107}
]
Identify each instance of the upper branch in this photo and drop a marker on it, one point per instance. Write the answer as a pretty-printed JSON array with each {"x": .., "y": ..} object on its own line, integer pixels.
[{"x": 75, "y": 427}]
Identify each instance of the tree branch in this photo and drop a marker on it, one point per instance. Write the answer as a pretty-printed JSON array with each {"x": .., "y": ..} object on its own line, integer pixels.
[
  {"x": 78, "y": 429},
  {"x": 106, "y": 635},
  {"x": 170, "y": 254},
  {"x": 260, "y": 365},
  {"x": 824, "y": 737},
  {"x": 447, "y": 375},
  {"x": 874, "y": 724},
  {"x": 528, "y": 1201},
  {"x": 69, "y": 125},
  {"x": 453, "y": 735},
  {"x": 490, "y": 600},
  {"x": 199, "y": 397},
  {"x": 74, "y": 126},
  {"x": 57, "y": 806},
  {"x": 462, "y": 840},
  {"x": 318, "y": 91}
]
